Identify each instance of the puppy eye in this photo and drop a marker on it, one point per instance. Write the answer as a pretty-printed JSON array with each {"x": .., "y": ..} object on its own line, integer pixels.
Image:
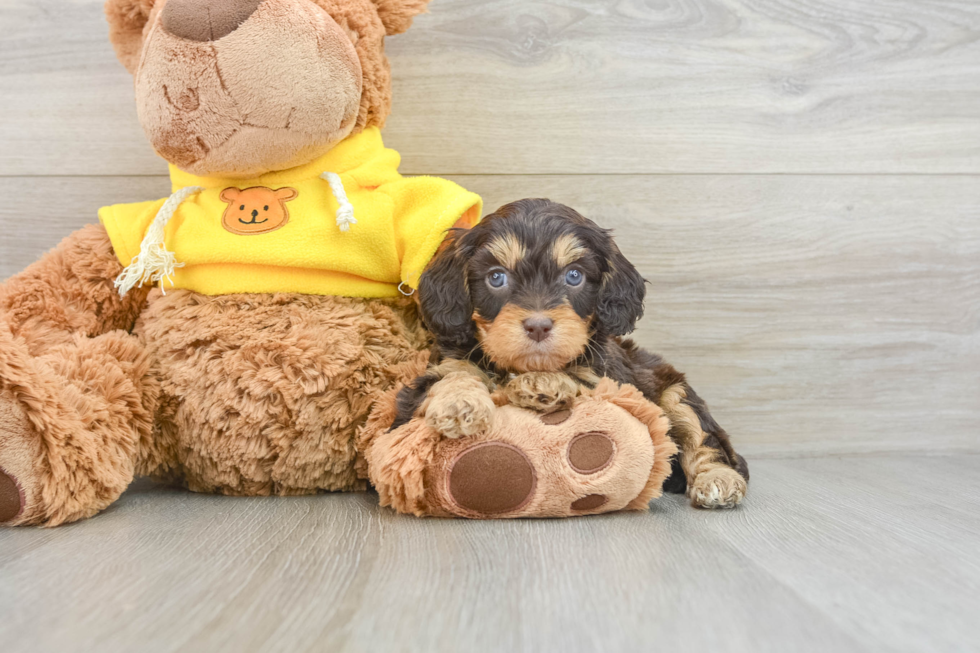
[
  {"x": 574, "y": 277},
  {"x": 497, "y": 279}
]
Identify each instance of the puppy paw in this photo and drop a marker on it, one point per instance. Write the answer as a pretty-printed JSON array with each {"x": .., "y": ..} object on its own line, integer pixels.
[
  {"x": 718, "y": 487},
  {"x": 459, "y": 406},
  {"x": 542, "y": 391}
]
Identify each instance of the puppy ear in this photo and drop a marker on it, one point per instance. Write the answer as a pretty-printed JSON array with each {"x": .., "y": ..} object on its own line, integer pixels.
[
  {"x": 444, "y": 298},
  {"x": 127, "y": 18},
  {"x": 397, "y": 14},
  {"x": 620, "y": 302}
]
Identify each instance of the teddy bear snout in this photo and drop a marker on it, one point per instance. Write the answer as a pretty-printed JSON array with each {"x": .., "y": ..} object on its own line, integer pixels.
[{"x": 205, "y": 20}]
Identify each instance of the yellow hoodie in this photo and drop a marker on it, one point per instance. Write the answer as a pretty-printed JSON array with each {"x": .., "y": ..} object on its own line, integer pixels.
[{"x": 345, "y": 224}]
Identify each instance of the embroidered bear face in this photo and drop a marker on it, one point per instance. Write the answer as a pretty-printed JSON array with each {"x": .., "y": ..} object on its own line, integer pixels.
[{"x": 256, "y": 210}]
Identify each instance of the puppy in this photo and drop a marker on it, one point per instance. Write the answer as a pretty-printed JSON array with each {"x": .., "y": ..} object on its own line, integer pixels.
[{"x": 534, "y": 302}]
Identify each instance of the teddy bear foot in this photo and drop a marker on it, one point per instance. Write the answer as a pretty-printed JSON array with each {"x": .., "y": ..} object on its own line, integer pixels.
[
  {"x": 608, "y": 451},
  {"x": 19, "y": 495},
  {"x": 719, "y": 487},
  {"x": 492, "y": 478},
  {"x": 590, "y": 459},
  {"x": 11, "y": 498}
]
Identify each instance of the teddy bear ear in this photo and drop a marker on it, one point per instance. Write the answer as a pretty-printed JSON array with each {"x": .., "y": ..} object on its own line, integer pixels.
[
  {"x": 397, "y": 15},
  {"x": 285, "y": 194},
  {"x": 127, "y": 18}
]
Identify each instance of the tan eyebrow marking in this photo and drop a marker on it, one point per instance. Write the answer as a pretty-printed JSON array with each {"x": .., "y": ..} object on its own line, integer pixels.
[
  {"x": 507, "y": 249},
  {"x": 567, "y": 249}
]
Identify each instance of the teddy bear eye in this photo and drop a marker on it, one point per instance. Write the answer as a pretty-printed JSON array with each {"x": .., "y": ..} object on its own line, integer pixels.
[
  {"x": 265, "y": 208},
  {"x": 241, "y": 208}
]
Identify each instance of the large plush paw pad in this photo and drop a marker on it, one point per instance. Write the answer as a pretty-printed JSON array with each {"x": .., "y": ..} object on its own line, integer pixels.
[
  {"x": 720, "y": 487},
  {"x": 11, "y": 499},
  {"x": 491, "y": 478},
  {"x": 590, "y": 502},
  {"x": 589, "y": 453},
  {"x": 465, "y": 409}
]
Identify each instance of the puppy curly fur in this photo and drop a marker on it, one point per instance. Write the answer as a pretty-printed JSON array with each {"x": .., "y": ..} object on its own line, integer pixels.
[
  {"x": 544, "y": 392},
  {"x": 458, "y": 405}
]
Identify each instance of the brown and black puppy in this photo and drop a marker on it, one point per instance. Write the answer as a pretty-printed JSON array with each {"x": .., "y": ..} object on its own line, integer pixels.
[{"x": 535, "y": 301}]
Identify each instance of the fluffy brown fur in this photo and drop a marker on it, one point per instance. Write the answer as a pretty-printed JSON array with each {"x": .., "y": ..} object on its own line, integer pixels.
[
  {"x": 260, "y": 393},
  {"x": 79, "y": 379},
  {"x": 549, "y": 292}
]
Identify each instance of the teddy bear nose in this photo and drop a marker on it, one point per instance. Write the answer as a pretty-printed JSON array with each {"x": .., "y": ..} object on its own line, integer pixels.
[
  {"x": 205, "y": 20},
  {"x": 255, "y": 213},
  {"x": 538, "y": 327}
]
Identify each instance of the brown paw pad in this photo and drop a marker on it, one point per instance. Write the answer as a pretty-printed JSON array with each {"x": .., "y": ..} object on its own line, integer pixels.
[
  {"x": 492, "y": 478},
  {"x": 589, "y": 502},
  {"x": 557, "y": 417},
  {"x": 589, "y": 453},
  {"x": 10, "y": 499}
]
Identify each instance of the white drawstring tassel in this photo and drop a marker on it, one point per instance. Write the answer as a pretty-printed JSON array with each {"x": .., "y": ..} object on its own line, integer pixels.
[
  {"x": 154, "y": 263},
  {"x": 345, "y": 210}
]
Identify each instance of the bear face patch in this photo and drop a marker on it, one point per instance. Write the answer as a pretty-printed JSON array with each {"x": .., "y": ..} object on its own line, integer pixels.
[{"x": 256, "y": 210}]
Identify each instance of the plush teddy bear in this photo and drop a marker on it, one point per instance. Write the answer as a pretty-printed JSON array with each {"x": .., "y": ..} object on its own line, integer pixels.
[{"x": 233, "y": 336}]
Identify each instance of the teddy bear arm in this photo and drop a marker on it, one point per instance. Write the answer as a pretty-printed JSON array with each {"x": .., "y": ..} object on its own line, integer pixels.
[
  {"x": 69, "y": 291},
  {"x": 76, "y": 393}
]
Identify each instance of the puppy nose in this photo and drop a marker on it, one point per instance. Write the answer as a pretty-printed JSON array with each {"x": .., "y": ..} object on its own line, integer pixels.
[
  {"x": 538, "y": 327},
  {"x": 205, "y": 20}
]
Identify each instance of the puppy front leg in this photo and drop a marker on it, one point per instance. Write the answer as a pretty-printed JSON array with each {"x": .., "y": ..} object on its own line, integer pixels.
[
  {"x": 458, "y": 405},
  {"x": 545, "y": 392},
  {"x": 453, "y": 398}
]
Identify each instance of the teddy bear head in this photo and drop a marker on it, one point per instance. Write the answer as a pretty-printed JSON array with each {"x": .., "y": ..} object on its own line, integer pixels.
[{"x": 238, "y": 88}]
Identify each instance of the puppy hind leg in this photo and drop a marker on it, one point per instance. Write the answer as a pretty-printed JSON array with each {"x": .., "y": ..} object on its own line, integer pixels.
[{"x": 711, "y": 481}]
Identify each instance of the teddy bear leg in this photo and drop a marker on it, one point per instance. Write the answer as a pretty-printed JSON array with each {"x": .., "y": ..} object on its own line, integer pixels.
[
  {"x": 76, "y": 396},
  {"x": 71, "y": 426},
  {"x": 19, "y": 449}
]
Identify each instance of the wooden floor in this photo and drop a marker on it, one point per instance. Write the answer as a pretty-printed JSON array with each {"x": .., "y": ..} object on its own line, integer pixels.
[
  {"x": 800, "y": 182},
  {"x": 860, "y": 553}
]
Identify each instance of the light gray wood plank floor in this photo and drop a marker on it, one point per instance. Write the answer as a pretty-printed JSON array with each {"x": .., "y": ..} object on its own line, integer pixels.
[{"x": 860, "y": 553}]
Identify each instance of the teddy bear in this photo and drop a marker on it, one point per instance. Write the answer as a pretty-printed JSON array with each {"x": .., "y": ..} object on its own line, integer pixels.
[{"x": 234, "y": 336}]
